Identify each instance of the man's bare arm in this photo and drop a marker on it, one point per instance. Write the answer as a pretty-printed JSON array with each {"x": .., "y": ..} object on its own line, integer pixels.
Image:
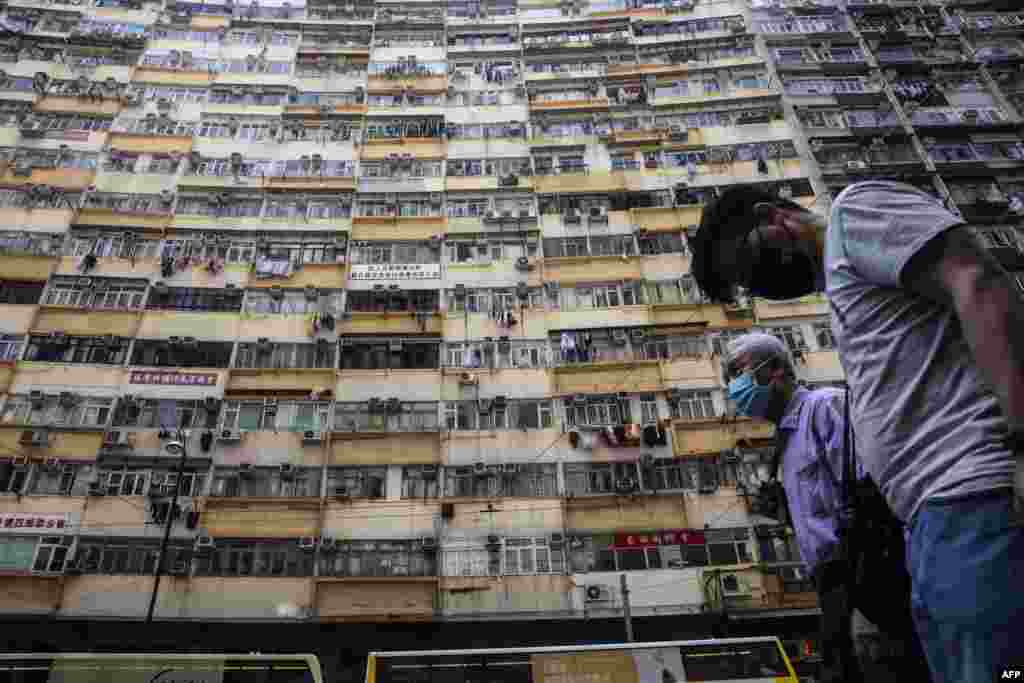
[{"x": 955, "y": 269}]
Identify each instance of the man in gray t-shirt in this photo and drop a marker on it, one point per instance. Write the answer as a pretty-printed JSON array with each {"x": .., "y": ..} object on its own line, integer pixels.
[{"x": 931, "y": 336}]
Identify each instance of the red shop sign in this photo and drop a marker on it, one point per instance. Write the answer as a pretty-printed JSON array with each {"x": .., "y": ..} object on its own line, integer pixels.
[{"x": 656, "y": 538}]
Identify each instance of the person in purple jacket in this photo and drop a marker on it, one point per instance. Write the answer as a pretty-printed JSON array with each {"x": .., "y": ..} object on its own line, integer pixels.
[{"x": 811, "y": 425}]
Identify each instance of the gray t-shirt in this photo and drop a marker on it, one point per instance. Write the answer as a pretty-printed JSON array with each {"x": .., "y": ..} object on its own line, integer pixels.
[{"x": 927, "y": 425}]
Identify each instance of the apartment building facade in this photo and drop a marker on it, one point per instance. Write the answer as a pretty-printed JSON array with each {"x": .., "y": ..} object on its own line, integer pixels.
[{"x": 412, "y": 278}]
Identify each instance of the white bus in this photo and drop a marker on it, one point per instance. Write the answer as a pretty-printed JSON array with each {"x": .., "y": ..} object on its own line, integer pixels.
[
  {"x": 99, "y": 667},
  {"x": 750, "y": 660}
]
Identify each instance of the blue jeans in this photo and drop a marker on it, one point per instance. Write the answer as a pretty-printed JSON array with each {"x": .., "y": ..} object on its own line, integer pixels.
[{"x": 965, "y": 562}]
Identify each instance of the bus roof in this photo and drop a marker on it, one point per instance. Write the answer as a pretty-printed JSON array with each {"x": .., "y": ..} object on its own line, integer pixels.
[
  {"x": 574, "y": 648},
  {"x": 155, "y": 655}
]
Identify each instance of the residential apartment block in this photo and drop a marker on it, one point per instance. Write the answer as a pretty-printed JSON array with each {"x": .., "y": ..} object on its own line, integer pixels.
[{"x": 413, "y": 279}]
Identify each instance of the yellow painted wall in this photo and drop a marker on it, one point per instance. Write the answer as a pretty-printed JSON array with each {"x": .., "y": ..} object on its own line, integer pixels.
[
  {"x": 43, "y": 374},
  {"x": 510, "y": 517},
  {"x": 712, "y": 436},
  {"x": 103, "y": 513},
  {"x": 141, "y": 183},
  {"x": 657, "y": 219},
  {"x": 323, "y": 275},
  {"x": 386, "y": 449},
  {"x": 664, "y": 266},
  {"x": 459, "y": 326},
  {"x": 35, "y": 268},
  {"x": 30, "y": 593},
  {"x": 690, "y": 372},
  {"x": 152, "y": 144},
  {"x": 420, "y": 148},
  {"x": 271, "y": 380},
  {"x": 114, "y": 267},
  {"x": 109, "y": 217},
  {"x": 255, "y": 325},
  {"x": 591, "y": 269},
  {"x": 690, "y": 314},
  {"x": 16, "y": 319},
  {"x": 374, "y": 228},
  {"x": 260, "y": 518},
  {"x": 498, "y": 446},
  {"x": 608, "y": 377},
  {"x": 388, "y": 323},
  {"x": 272, "y": 448},
  {"x": 42, "y": 220},
  {"x": 626, "y": 513},
  {"x": 162, "y": 324},
  {"x": 509, "y": 382},
  {"x": 813, "y": 305},
  {"x": 500, "y": 593},
  {"x": 409, "y": 385},
  {"x": 623, "y": 316},
  {"x": 87, "y": 321},
  {"x": 380, "y": 519},
  {"x": 65, "y": 178},
  {"x": 50, "y": 505},
  {"x": 580, "y": 182},
  {"x": 393, "y": 599}
]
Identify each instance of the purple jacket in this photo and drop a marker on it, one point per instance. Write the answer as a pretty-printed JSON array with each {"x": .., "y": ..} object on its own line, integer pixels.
[{"x": 812, "y": 470}]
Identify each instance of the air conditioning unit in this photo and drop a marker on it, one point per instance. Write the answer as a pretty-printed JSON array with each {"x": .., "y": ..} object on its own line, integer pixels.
[
  {"x": 179, "y": 568},
  {"x": 429, "y": 544},
  {"x": 229, "y": 435},
  {"x": 84, "y": 282},
  {"x": 510, "y": 468},
  {"x": 307, "y": 543},
  {"x": 287, "y": 470},
  {"x": 479, "y": 468},
  {"x": 95, "y": 489},
  {"x": 51, "y": 464},
  {"x": 854, "y": 166},
  {"x": 596, "y": 593},
  {"x": 203, "y": 543},
  {"x": 429, "y": 472},
  {"x": 211, "y": 404},
  {"x": 557, "y": 540},
  {"x": 36, "y": 398},
  {"x": 734, "y": 587},
  {"x": 68, "y": 399},
  {"x": 678, "y": 132},
  {"x": 523, "y": 264},
  {"x": 619, "y": 336},
  {"x": 328, "y": 544},
  {"x": 625, "y": 485},
  {"x": 311, "y": 436},
  {"x": 467, "y": 378},
  {"x": 484, "y": 406},
  {"x": 637, "y": 334}
]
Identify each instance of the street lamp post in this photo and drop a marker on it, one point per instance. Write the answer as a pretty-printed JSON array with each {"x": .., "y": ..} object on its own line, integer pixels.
[{"x": 176, "y": 447}]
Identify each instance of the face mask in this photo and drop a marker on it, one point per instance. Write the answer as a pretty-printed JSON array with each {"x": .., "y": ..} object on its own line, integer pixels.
[{"x": 751, "y": 399}]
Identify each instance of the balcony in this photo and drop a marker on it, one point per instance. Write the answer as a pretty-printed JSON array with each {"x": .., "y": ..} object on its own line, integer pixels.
[
  {"x": 955, "y": 117},
  {"x": 108, "y": 208}
]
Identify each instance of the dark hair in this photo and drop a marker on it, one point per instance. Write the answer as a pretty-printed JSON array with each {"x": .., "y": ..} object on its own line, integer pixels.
[{"x": 723, "y": 220}]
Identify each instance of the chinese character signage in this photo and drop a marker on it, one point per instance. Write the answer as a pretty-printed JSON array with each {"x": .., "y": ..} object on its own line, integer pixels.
[
  {"x": 27, "y": 522},
  {"x": 656, "y": 538},
  {"x": 395, "y": 271},
  {"x": 177, "y": 379}
]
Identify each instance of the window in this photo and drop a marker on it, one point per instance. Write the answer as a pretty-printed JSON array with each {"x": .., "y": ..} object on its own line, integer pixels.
[
  {"x": 823, "y": 334},
  {"x": 792, "y": 337},
  {"x": 247, "y": 558},
  {"x": 278, "y": 482},
  {"x": 51, "y": 553},
  {"x": 196, "y": 299},
  {"x": 471, "y": 562},
  {"x": 527, "y": 556},
  {"x": 21, "y": 293},
  {"x": 597, "y": 478},
  {"x": 98, "y": 350},
  {"x": 56, "y": 480},
  {"x": 389, "y": 353},
  {"x": 106, "y": 294},
  {"x": 379, "y": 558},
  {"x": 648, "y": 410},
  {"x": 670, "y": 474},
  {"x": 357, "y": 482},
  {"x": 693, "y": 405},
  {"x": 418, "y": 482},
  {"x": 728, "y": 546},
  {"x": 597, "y": 412},
  {"x": 277, "y": 355},
  {"x": 515, "y": 480},
  {"x": 13, "y": 477}
]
